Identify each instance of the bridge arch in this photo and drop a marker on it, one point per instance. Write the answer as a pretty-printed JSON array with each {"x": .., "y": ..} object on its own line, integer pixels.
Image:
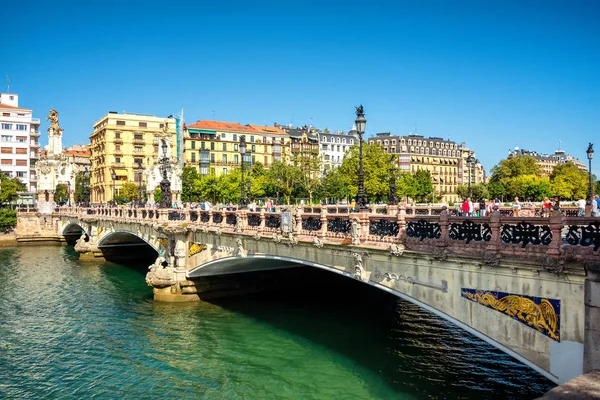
[
  {"x": 73, "y": 231},
  {"x": 126, "y": 245},
  {"x": 262, "y": 262}
]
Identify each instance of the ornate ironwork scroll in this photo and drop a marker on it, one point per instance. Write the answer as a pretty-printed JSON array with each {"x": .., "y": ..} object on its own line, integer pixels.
[
  {"x": 193, "y": 216},
  {"x": 584, "y": 235},
  {"x": 144, "y": 214},
  {"x": 217, "y": 218},
  {"x": 339, "y": 225},
  {"x": 539, "y": 313},
  {"x": 469, "y": 230},
  {"x": 204, "y": 217},
  {"x": 195, "y": 248},
  {"x": 423, "y": 229},
  {"x": 176, "y": 216},
  {"x": 151, "y": 214},
  {"x": 384, "y": 227},
  {"x": 311, "y": 224},
  {"x": 272, "y": 221},
  {"x": 526, "y": 233},
  {"x": 420, "y": 211},
  {"x": 254, "y": 219},
  {"x": 230, "y": 219}
]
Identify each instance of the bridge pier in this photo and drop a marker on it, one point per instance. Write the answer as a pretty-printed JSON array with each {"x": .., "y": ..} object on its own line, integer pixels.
[{"x": 591, "y": 355}]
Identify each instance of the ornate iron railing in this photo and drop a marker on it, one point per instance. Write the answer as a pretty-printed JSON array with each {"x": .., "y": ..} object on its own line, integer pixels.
[
  {"x": 339, "y": 225},
  {"x": 272, "y": 221},
  {"x": 311, "y": 224},
  {"x": 230, "y": 219},
  {"x": 423, "y": 229},
  {"x": 217, "y": 218},
  {"x": 586, "y": 235},
  {"x": 469, "y": 230},
  {"x": 204, "y": 217},
  {"x": 254, "y": 219},
  {"x": 384, "y": 227},
  {"x": 176, "y": 216},
  {"x": 193, "y": 216},
  {"x": 526, "y": 233}
]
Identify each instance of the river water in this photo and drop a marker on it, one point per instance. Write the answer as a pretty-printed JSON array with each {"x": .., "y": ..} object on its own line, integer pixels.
[{"x": 72, "y": 330}]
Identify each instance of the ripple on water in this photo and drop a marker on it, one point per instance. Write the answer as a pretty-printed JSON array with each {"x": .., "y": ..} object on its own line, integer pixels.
[{"x": 71, "y": 330}]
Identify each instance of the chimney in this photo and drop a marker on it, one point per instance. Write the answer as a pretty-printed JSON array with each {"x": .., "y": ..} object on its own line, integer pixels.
[{"x": 275, "y": 124}]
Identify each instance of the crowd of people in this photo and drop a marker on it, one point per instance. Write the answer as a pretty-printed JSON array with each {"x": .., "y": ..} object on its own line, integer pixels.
[{"x": 485, "y": 206}]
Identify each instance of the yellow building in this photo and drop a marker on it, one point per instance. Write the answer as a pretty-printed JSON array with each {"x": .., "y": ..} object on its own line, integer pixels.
[
  {"x": 120, "y": 145},
  {"x": 212, "y": 147}
]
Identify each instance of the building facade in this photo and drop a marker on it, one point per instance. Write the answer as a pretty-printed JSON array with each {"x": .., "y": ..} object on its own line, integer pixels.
[
  {"x": 19, "y": 136},
  {"x": 122, "y": 147},
  {"x": 333, "y": 147},
  {"x": 212, "y": 147},
  {"x": 78, "y": 155},
  {"x": 444, "y": 160},
  {"x": 547, "y": 162}
]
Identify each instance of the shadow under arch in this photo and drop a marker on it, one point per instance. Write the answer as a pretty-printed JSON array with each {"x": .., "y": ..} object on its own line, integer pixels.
[
  {"x": 72, "y": 232},
  {"x": 262, "y": 262},
  {"x": 126, "y": 246}
]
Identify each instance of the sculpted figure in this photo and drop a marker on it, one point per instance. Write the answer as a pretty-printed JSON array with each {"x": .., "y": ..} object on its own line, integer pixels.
[
  {"x": 159, "y": 276},
  {"x": 53, "y": 117},
  {"x": 355, "y": 231}
]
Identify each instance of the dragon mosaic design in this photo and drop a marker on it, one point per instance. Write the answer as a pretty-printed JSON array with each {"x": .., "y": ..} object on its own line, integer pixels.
[
  {"x": 537, "y": 312},
  {"x": 195, "y": 248}
]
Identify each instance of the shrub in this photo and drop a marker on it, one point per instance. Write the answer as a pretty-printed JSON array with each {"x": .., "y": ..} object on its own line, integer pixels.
[{"x": 8, "y": 220}]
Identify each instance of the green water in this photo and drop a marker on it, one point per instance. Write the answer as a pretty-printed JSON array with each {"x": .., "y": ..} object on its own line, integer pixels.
[{"x": 70, "y": 330}]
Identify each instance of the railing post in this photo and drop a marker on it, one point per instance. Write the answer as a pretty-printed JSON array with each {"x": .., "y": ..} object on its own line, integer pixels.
[
  {"x": 494, "y": 244},
  {"x": 401, "y": 224},
  {"x": 261, "y": 227},
  {"x": 298, "y": 227},
  {"x": 443, "y": 242},
  {"x": 556, "y": 225},
  {"x": 364, "y": 220},
  {"x": 323, "y": 230},
  {"x": 187, "y": 215}
]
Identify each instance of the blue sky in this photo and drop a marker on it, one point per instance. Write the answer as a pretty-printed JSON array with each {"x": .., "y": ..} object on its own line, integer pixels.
[{"x": 493, "y": 74}]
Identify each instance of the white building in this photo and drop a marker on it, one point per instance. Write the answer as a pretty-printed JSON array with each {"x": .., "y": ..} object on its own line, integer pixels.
[
  {"x": 333, "y": 147},
  {"x": 19, "y": 145}
]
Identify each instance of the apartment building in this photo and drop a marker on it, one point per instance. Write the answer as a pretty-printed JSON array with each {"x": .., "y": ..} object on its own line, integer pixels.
[
  {"x": 442, "y": 158},
  {"x": 120, "y": 145},
  {"x": 547, "y": 162},
  {"x": 212, "y": 147},
  {"x": 333, "y": 147},
  {"x": 78, "y": 155},
  {"x": 19, "y": 134}
]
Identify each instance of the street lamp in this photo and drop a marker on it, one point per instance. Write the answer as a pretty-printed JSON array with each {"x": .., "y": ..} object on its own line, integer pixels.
[
  {"x": 277, "y": 199},
  {"x": 215, "y": 190},
  {"x": 86, "y": 187},
  {"x": 69, "y": 193},
  {"x": 393, "y": 197},
  {"x": 141, "y": 195},
  {"x": 243, "y": 201},
  {"x": 590, "y": 154},
  {"x": 113, "y": 174},
  {"x": 360, "y": 122},
  {"x": 470, "y": 161},
  {"x": 165, "y": 185}
]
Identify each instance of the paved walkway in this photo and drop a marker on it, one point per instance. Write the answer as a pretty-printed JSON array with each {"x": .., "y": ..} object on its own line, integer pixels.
[{"x": 584, "y": 387}]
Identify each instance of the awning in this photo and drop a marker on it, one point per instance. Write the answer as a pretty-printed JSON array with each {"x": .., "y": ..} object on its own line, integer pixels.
[
  {"x": 120, "y": 171},
  {"x": 202, "y": 131}
]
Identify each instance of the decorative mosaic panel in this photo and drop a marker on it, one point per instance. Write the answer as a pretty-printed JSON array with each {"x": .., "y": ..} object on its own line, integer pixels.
[
  {"x": 195, "y": 248},
  {"x": 164, "y": 242},
  {"x": 538, "y": 313}
]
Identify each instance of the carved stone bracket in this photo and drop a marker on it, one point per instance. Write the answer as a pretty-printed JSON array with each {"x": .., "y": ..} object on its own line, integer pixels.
[
  {"x": 438, "y": 254},
  {"x": 256, "y": 236},
  {"x": 317, "y": 242},
  {"x": 204, "y": 229},
  {"x": 553, "y": 265},
  {"x": 443, "y": 286},
  {"x": 359, "y": 270},
  {"x": 355, "y": 231},
  {"x": 292, "y": 239},
  {"x": 491, "y": 259},
  {"x": 276, "y": 238},
  {"x": 226, "y": 249},
  {"x": 396, "y": 250},
  {"x": 218, "y": 231},
  {"x": 240, "y": 248}
]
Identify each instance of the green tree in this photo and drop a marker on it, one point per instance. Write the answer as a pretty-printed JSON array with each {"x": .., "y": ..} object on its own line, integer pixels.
[
  {"x": 309, "y": 166},
  {"x": 284, "y": 178},
  {"x": 80, "y": 182},
  {"x": 189, "y": 176},
  {"x": 334, "y": 185},
  {"x": 478, "y": 191},
  {"x": 9, "y": 188},
  {"x": 129, "y": 192},
  {"x": 8, "y": 219},
  {"x": 61, "y": 193},
  {"x": 422, "y": 186},
  {"x": 569, "y": 182},
  {"x": 497, "y": 189},
  {"x": 259, "y": 181},
  {"x": 157, "y": 195},
  {"x": 376, "y": 168},
  {"x": 516, "y": 166}
]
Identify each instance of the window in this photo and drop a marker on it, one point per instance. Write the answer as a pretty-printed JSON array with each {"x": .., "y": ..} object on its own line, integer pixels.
[
  {"x": 224, "y": 158},
  {"x": 143, "y": 124},
  {"x": 22, "y": 174},
  {"x": 138, "y": 149},
  {"x": 212, "y": 145},
  {"x": 324, "y": 146},
  {"x": 212, "y": 157},
  {"x": 235, "y": 138},
  {"x": 6, "y": 114},
  {"x": 21, "y": 163},
  {"x": 6, "y": 138},
  {"x": 253, "y": 160},
  {"x": 224, "y": 146},
  {"x": 161, "y": 126},
  {"x": 21, "y": 151},
  {"x": 23, "y": 139},
  {"x": 253, "y": 148},
  {"x": 137, "y": 161},
  {"x": 193, "y": 145},
  {"x": 11, "y": 97},
  {"x": 252, "y": 139},
  {"x": 117, "y": 147},
  {"x": 222, "y": 136},
  {"x": 235, "y": 147},
  {"x": 193, "y": 156},
  {"x": 138, "y": 136},
  {"x": 5, "y": 161},
  {"x": 117, "y": 135},
  {"x": 117, "y": 160},
  {"x": 203, "y": 146},
  {"x": 7, "y": 126},
  {"x": 235, "y": 159},
  {"x": 6, "y": 150},
  {"x": 21, "y": 127},
  {"x": 121, "y": 123}
]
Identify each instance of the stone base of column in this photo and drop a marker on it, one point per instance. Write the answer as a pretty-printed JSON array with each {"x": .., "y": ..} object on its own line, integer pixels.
[
  {"x": 172, "y": 294},
  {"x": 91, "y": 256}
]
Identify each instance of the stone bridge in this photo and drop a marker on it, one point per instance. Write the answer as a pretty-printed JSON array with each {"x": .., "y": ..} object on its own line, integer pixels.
[{"x": 528, "y": 285}]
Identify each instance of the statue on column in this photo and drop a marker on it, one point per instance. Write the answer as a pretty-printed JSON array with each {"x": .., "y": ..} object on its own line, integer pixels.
[{"x": 53, "y": 117}]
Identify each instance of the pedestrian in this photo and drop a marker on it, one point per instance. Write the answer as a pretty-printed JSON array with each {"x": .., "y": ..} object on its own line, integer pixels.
[
  {"x": 464, "y": 208},
  {"x": 595, "y": 210},
  {"x": 556, "y": 205},
  {"x": 352, "y": 205},
  {"x": 482, "y": 207},
  {"x": 516, "y": 207},
  {"x": 581, "y": 207},
  {"x": 546, "y": 207}
]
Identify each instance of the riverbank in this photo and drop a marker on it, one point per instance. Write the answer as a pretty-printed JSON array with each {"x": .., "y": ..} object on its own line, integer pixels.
[{"x": 8, "y": 240}]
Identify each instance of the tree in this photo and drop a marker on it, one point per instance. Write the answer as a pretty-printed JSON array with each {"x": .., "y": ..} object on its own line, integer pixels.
[
  {"x": 157, "y": 195},
  {"x": 8, "y": 219},
  {"x": 259, "y": 181},
  {"x": 129, "y": 192},
  {"x": 516, "y": 166},
  {"x": 9, "y": 188},
  {"x": 334, "y": 185},
  {"x": 569, "y": 182},
  {"x": 478, "y": 191},
  {"x": 376, "y": 168},
  {"x": 61, "y": 193},
  {"x": 284, "y": 178},
  {"x": 189, "y": 176},
  {"x": 80, "y": 183},
  {"x": 422, "y": 187},
  {"x": 497, "y": 189},
  {"x": 309, "y": 167}
]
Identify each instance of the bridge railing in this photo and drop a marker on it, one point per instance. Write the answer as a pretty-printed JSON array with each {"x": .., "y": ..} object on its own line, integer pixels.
[{"x": 420, "y": 230}]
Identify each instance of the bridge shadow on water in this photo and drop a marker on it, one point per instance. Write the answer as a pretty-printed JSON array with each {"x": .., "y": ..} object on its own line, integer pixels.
[{"x": 411, "y": 349}]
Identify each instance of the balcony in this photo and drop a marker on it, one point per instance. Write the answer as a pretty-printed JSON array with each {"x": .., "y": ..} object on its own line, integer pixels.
[
  {"x": 138, "y": 141},
  {"x": 35, "y": 134},
  {"x": 34, "y": 144},
  {"x": 118, "y": 140}
]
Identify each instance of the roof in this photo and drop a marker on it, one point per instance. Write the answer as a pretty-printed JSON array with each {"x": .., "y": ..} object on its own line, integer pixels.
[
  {"x": 271, "y": 130},
  {"x": 6, "y": 106},
  {"x": 81, "y": 153},
  {"x": 220, "y": 126}
]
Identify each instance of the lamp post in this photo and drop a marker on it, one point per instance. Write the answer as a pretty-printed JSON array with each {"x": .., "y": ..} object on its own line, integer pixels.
[
  {"x": 141, "y": 195},
  {"x": 590, "y": 155},
  {"x": 113, "y": 174},
  {"x": 69, "y": 193},
  {"x": 361, "y": 198},
  {"x": 470, "y": 161},
  {"x": 277, "y": 199},
  {"x": 243, "y": 201},
  {"x": 86, "y": 187},
  {"x": 215, "y": 190},
  {"x": 165, "y": 185},
  {"x": 393, "y": 197}
]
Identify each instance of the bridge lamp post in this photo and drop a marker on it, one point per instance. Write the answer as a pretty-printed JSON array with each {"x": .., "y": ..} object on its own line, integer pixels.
[
  {"x": 113, "y": 175},
  {"x": 393, "y": 197},
  {"x": 470, "y": 161},
  {"x": 590, "y": 155},
  {"x": 165, "y": 185},
  {"x": 69, "y": 193},
  {"x": 243, "y": 201},
  {"x": 361, "y": 198},
  {"x": 86, "y": 187},
  {"x": 141, "y": 195}
]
